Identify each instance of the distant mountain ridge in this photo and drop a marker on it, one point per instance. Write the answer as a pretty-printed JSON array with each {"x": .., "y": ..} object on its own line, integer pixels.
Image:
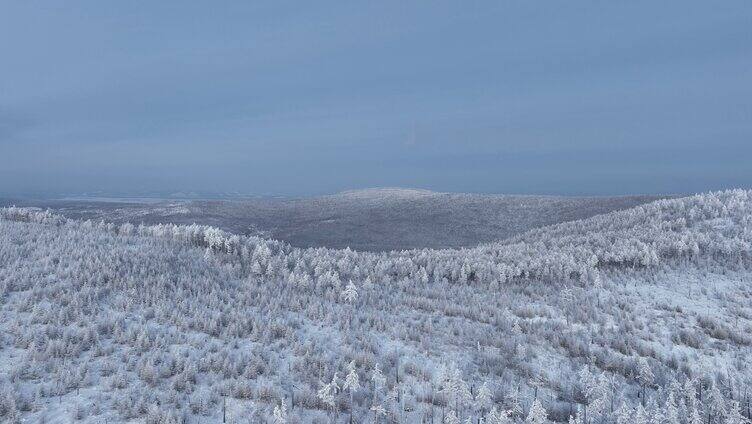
[{"x": 374, "y": 219}]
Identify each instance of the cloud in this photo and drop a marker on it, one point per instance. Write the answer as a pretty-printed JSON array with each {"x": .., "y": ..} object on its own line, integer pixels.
[{"x": 13, "y": 124}]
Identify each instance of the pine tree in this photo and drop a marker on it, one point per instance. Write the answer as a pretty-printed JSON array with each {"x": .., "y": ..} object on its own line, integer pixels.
[
  {"x": 589, "y": 385},
  {"x": 455, "y": 388},
  {"x": 574, "y": 419},
  {"x": 655, "y": 412},
  {"x": 350, "y": 294},
  {"x": 641, "y": 416},
  {"x": 672, "y": 413},
  {"x": 452, "y": 418},
  {"x": 567, "y": 297},
  {"x": 498, "y": 417},
  {"x": 378, "y": 410},
  {"x": 368, "y": 284},
  {"x": 377, "y": 377},
  {"x": 352, "y": 383},
  {"x": 335, "y": 383},
  {"x": 716, "y": 403},
  {"x": 624, "y": 415},
  {"x": 483, "y": 399},
  {"x": 734, "y": 415},
  {"x": 280, "y": 413},
  {"x": 645, "y": 377},
  {"x": 422, "y": 276},
  {"x": 513, "y": 399},
  {"x": 537, "y": 414},
  {"x": 694, "y": 416},
  {"x": 325, "y": 395},
  {"x": 465, "y": 397},
  {"x": 690, "y": 395}
]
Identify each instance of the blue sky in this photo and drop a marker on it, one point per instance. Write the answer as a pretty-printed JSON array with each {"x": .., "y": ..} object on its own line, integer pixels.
[{"x": 300, "y": 98}]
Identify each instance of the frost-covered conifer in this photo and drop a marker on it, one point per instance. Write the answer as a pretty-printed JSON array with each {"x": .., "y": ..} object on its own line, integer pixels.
[
  {"x": 644, "y": 376},
  {"x": 671, "y": 410},
  {"x": 455, "y": 388},
  {"x": 716, "y": 403},
  {"x": 574, "y": 419},
  {"x": 452, "y": 418},
  {"x": 483, "y": 399},
  {"x": 537, "y": 414},
  {"x": 280, "y": 413},
  {"x": 495, "y": 416},
  {"x": 734, "y": 415},
  {"x": 378, "y": 411},
  {"x": 513, "y": 403},
  {"x": 624, "y": 415},
  {"x": 378, "y": 379},
  {"x": 350, "y": 294},
  {"x": 656, "y": 414},
  {"x": 352, "y": 383},
  {"x": 326, "y": 395},
  {"x": 641, "y": 415}
]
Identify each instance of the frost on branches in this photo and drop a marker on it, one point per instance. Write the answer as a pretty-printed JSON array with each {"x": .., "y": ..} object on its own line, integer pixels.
[{"x": 640, "y": 316}]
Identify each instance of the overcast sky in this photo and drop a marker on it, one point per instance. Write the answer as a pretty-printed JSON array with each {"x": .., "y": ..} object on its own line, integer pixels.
[{"x": 300, "y": 98}]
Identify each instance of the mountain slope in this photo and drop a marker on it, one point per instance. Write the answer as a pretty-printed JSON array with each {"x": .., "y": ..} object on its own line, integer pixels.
[{"x": 162, "y": 323}]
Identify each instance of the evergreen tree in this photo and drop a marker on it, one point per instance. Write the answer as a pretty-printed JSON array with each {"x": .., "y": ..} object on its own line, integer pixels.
[
  {"x": 352, "y": 383},
  {"x": 377, "y": 377},
  {"x": 624, "y": 415},
  {"x": 734, "y": 415},
  {"x": 280, "y": 413},
  {"x": 498, "y": 417},
  {"x": 716, "y": 404},
  {"x": 483, "y": 399},
  {"x": 537, "y": 414},
  {"x": 645, "y": 377},
  {"x": 672, "y": 412},
  {"x": 350, "y": 294}
]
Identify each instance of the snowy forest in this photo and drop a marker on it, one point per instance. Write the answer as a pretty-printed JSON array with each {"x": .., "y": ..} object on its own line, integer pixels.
[{"x": 637, "y": 316}]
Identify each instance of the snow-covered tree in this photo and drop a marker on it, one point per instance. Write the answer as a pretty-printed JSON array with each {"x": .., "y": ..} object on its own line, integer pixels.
[
  {"x": 513, "y": 403},
  {"x": 716, "y": 404},
  {"x": 193, "y": 314},
  {"x": 280, "y": 413},
  {"x": 537, "y": 414},
  {"x": 377, "y": 377},
  {"x": 350, "y": 294},
  {"x": 734, "y": 415},
  {"x": 645, "y": 377},
  {"x": 624, "y": 415},
  {"x": 483, "y": 399},
  {"x": 326, "y": 394},
  {"x": 378, "y": 411},
  {"x": 641, "y": 415},
  {"x": 452, "y": 418},
  {"x": 352, "y": 383},
  {"x": 496, "y": 416}
]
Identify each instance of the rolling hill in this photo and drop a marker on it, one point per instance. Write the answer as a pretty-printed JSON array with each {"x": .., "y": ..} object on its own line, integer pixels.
[
  {"x": 371, "y": 220},
  {"x": 639, "y": 315}
]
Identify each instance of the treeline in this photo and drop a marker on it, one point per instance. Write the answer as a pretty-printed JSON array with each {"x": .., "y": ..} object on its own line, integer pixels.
[{"x": 716, "y": 226}]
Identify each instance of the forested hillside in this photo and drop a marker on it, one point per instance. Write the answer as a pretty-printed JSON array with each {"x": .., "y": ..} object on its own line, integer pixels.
[
  {"x": 373, "y": 220},
  {"x": 637, "y": 316}
]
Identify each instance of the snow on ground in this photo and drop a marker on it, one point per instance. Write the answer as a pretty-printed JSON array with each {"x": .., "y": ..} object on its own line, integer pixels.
[{"x": 116, "y": 323}]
